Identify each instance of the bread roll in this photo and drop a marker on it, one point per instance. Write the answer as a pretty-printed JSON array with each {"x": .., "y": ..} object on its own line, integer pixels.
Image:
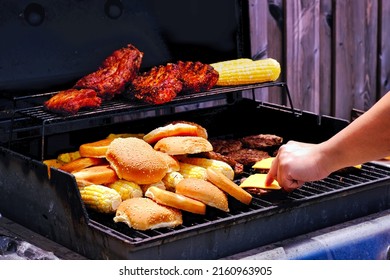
[
  {"x": 224, "y": 183},
  {"x": 176, "y": 200},
  {"x": 180, "y": 145},
  {"x": 97, "y": 175},
  {"x": 81, "y": 163},
  {"x": 172, "y": 163},
  {"x": 177, "y": 129},
  {"x": 142, "y": 213},
  {"x": 203, "y": 191},
  {"x": 135, "y": 160},
  {"x": 201, "y": 132},
  {"x": 95, "y": 149}
]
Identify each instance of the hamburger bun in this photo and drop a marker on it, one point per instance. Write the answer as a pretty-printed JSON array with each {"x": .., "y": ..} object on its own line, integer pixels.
[
  {"x": 201, "y": 131},
  {"x": 172, "y": 163},
  {"x": 176, "y": 200},
  {"x": 203, "y": 191},
  {"x": 135, "y": 160},
  {"x": 95, "y": 149},
  {"x": 181, "y": 145},
  {"x": 177, "y": 129},
  {"x": 224, "y": 183},
  {"x": 97, "y": 175},
  {"x": 142, "y": 213}
]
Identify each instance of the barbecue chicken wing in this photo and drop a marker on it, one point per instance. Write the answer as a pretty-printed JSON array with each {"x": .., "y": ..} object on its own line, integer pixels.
[
  {"x": 116, "y": 71},
  {"x": 69, "y": 102},
  {"x": 159, "y": 85},
  {"x": 197, "y": 76}
]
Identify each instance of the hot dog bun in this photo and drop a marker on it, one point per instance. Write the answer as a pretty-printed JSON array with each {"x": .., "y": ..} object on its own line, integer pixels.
[
  {"x": 181, "y": 145},
  {"x": 224, "y": 183},
  {"x": 135, "y": 160},
  {"x": 81, "y": 163},
  {"x": 142, "y": 213},
  {"x": 203, "y": 191},
  {"x": 95, "y": 149},
  {"x": 176, "y": 200},
  {"x": 97, "y": 175}
]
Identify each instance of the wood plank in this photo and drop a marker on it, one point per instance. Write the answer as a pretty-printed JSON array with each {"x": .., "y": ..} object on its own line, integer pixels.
[
  {"x": 259, "y": 39},
  {"x": 384, "y": 48},
  {"x": 325, "y": 57},
  {"x": 302, "y": 53},
  {"x": 355, "y": 39},
  {"x": 275, "y": 48}
]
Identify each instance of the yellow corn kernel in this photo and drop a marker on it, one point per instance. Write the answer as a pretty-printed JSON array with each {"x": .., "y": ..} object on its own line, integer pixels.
[
  {"x": 222, "y": 166},
  {"x": 68, "y": 157},
  {"x": 100, "y": 198},
  {"x": 126, "y": 189},
  {"x": 171, "y": 179},
  {"x": 242, "y": 72},
  {"x": 192, "y": 171}
]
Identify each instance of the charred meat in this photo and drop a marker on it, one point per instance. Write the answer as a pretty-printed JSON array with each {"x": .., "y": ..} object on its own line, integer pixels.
[
  {"x": 69, "y": 102},
  {"x": 248, "y": 157},
  {"x": 159, "y": 85},
  {"x": 114, "y": 74},
  {"x": 224, "y": 146},
  {"x": 261, "y": 141},
  {"x": 197, "y": 76}
]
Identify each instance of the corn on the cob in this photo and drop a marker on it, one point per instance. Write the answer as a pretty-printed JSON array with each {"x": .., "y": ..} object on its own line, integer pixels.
[
  {"x": 68, "y": 157},
  {"x": 126, "y": 189},
  {"x": 171, "y": 179},
  {"x": 100, "y": 198},
  {"x": 246, "y": 71},
  {"x": 192, "y": 171},
  {"x": 222, "y": 166}
]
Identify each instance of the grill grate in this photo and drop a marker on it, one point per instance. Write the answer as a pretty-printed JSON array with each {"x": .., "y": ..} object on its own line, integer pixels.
[{"x": 335, "y": 183}]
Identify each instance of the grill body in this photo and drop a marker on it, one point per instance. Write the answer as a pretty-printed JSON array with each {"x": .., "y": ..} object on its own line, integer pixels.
[{"x": 52, "y": 206}]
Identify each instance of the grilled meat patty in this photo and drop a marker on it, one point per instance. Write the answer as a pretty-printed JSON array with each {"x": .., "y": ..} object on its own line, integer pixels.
[
  {"x": 116, "y": 71},
  {"x": 69, "y": 102},
  {"x": 248, "y": 157},
  {"x": 261, "y": 141},
  {"x": 224, "y": 146},
  {"x": 159, "y": 85},
  {"x": 197, "y": 76}
]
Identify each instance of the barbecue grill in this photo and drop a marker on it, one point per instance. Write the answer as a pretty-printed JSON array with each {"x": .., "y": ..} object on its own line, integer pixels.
[{"x": 52, "y": 206}]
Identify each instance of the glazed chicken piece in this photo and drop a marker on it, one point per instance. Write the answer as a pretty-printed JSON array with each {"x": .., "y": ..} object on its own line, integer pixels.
[
  {"x": 159, "y": 85},
  {"x": 69, "y": 102},
  {"x": 197, "y": 76},
  {"x": 116, "y": 71}
]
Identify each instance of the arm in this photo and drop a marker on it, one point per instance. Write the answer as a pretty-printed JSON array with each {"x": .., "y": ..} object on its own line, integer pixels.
[{"x": 367, "y": 138}]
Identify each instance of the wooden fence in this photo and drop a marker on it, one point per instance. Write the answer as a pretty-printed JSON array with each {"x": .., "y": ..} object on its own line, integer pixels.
[{"x": 335, "y": 55}]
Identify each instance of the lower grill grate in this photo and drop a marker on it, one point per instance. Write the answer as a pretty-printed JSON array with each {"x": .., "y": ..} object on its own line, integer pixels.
[{"x": 335, "y": 183}]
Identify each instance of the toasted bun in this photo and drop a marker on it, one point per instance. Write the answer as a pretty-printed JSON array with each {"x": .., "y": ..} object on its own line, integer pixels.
[
  {"x": 143, "y": 213},
  {"x": 180, "y": 145},
  {"x": 203, "y": 191},
  {"x": 95, "y": 149},
  {"x": 98, "y": 175},
  {"x": 177, "y": 129},
  {"x": 172, "y": 163},
  {"x": 135, "y": 160},
  {"x": 81, "y": 163},
  {"x": 201, "y": 132},
  {"x": 176, "y": 200},
  {"x": 224, "y": 183}
]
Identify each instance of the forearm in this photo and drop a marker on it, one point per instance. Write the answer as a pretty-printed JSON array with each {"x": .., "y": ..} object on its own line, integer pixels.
[{"x": 365, "y": 139}]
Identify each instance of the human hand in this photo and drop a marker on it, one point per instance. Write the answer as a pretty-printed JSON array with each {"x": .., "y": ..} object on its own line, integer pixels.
[{"x": 295, "y": 164}]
